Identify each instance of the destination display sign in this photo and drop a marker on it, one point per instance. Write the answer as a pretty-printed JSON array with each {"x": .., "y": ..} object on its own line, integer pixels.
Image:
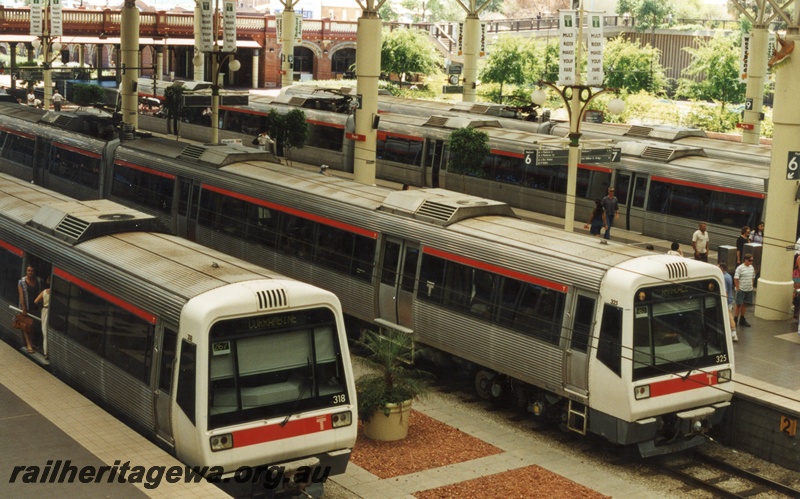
[{"x": 552, "y": 157}]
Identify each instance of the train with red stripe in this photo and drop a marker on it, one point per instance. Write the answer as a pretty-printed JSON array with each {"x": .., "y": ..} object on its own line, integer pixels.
[
  {"x": 242, "y": 373},
  {"x": 665, "y": 187},
  {"x": 606, "y": 339}
]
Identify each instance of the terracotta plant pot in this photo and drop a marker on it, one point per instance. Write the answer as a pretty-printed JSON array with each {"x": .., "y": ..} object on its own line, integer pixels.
[{"x": 392, "y": 427}]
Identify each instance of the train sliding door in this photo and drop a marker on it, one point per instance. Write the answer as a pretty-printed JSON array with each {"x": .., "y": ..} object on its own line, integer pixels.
[
  {"x": 162, "y": 391},
  {"x": 397, "y": 277},
  {"x": 433, "y": 163},
  {"x": 186, "y": 214},
  {"x": 576, "y": 362},
  {"x": 631, "y": 188}
]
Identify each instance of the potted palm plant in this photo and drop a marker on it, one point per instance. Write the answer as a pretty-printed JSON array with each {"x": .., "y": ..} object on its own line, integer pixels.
[{"x": 385, "y": 392}]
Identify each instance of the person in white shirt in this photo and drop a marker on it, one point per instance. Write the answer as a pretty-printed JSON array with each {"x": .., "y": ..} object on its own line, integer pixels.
[
  {"x": 700, "y": 243},
  {"x": 58, "y": 99},
  {"x": 743, "y": 280}
]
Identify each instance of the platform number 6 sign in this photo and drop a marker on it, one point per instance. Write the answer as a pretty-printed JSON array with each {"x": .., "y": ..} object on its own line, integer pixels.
[{"x": 792, "y": 164}]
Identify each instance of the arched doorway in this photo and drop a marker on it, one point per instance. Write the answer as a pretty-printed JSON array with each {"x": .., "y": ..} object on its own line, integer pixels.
[
  {"x": 343, "y": 60},
  {"x": 303, "y": 64}
]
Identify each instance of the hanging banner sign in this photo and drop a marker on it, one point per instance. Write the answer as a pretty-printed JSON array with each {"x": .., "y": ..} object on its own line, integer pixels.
[
  {"x": 36, "y": 17},
  {"x": 56, "y": 18},
  {"x": 483, "y": 40},
  {"x": 298, "y": 30},
  {"x": 206, "y": 26},
  {"x": 596, "y": 42},
  {"x": 279, "y": 30},
  {"x": 744, "y": 58},
  {"x": 460, "y": 44},
  {"x": 568, "y": 43},
  {"x": 229, "y": 23}
]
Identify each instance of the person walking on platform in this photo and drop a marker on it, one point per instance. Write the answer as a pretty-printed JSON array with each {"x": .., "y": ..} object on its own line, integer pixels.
[
  {"x": 743, "y": 239},
  {"x": 700, "y": 243},
  {"x": 611, "y": 207},
  {"x": 597, "y": 220},
  {"x": 58, "y": 99},
  {"x": 729, "y": 293},
  {"x": 743, "y": 281},
  {"x": 29, "y": 288}
]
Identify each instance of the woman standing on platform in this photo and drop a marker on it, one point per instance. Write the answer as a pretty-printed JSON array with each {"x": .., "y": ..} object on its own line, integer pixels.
[
  {"x": 597, "y": 220},
  {"x": 29, "y": 288}
]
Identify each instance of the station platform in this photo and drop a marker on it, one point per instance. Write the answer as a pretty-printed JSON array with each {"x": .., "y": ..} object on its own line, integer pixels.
[{"x": 48, "y": 429}]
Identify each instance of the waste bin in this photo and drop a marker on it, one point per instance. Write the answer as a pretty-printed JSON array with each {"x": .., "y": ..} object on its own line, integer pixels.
[{"x": 727, "y": 255}]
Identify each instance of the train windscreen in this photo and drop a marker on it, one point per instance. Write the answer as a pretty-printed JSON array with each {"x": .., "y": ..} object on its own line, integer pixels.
[
  {"x": 274, "y": 365},
  {"x": 677, "y": 328}
]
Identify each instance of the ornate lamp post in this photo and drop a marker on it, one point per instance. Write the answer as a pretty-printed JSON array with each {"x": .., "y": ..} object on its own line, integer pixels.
[
  {"x": 577, "y": 96},
  {"x": 46, "y": 24}
]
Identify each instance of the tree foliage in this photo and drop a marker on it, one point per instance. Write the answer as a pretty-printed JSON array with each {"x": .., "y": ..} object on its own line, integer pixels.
[
  {"x": 288, "y": 130},
  {"x": 405, "y": 51},
  {"x": 715, "y": 67},
  {"x": 431, "y": 11},
  {"x": 86, "y": 95},
  {"x": 468, "y": 149},
  {"x": 173, "y": 103},
  {"x": 520, "y": 63},
  {"x": 633, "y": 68}
]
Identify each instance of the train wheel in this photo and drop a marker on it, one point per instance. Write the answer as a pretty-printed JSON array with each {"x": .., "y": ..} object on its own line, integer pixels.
[{"x": 483, "y": 384}]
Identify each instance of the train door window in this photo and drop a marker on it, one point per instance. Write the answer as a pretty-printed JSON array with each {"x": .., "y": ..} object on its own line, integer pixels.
[
  {"x": 409, "y": 269},
  {"x": 184, "y": 190},
  {"x": 391, "y": 257},
  {"x": 623, "y": 185},
  {"x": 582, "y": 325},
  {"x": 609, "y": 349},
  {"x": 639, "y": 191},
  {"x": 187, "y": 384},
  {"x": 168, "y": 346}
]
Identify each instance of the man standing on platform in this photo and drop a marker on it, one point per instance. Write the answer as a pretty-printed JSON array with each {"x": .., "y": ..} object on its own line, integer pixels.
[
  {"x": 611, "y": 207},
  {"x": 743, "y": 280},
  {"x": 700, "y": 243}
]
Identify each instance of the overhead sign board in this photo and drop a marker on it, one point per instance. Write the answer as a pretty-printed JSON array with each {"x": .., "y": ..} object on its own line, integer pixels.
[{"x": 552, "y": 157}]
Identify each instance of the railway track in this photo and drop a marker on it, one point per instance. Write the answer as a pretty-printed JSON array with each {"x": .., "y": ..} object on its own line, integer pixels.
[{"x": 722, "y": 478}]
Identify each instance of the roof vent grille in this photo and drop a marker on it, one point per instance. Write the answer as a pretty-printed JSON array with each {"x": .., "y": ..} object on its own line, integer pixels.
[
  {"x": 436, "y": 211},
  {"x": 193, "y": 151},
  {"x": 641, "y": 131},
  {"x": 72, "y": 227},
  {"x": 479, "y": 109},
  {"x": 437, "y": 121},
  {"x": 677, "y": 271},
  {"x": 657, "y": 153},
  {"x": 272, "y": 298}
]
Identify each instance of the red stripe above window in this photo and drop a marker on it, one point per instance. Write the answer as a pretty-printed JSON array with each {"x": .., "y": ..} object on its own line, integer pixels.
[
  {"x": 13, "y": 249},
  {"x": 17, "y": 132},
  {"x": 144, "y": 169},
  {"x": 717, "y": 188},
  {"x": 82, "y": 152},
  {"x": 496, "y": 270},
  {"x": 105, "y": 295},
  {"x": 291, "y": 211}
]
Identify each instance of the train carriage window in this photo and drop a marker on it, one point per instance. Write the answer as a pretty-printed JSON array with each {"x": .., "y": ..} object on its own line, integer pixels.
[
  {"x": 609, "y": 349},
  {"x": 334, "y": 248},
  {"x": 263, "y": 225},
  {"x": 143, "y": 188},
  {"x": 168, "y": 346},
  {"x": 547, "y": 178},
  {"x": 18, "y": 149},
  {"x": 11, "y": 268},
  {"x": 457, "y": 286},
  {"x": 187, "y": 384},
  {"x": 325, "y": 137},
  {"x": 399, "y": 150},
  {"x": 84, "y": 317},
  {"x": 129, "y": 343},
  {"x": 297, "y": 236},
  {"x": 363, "y": 258},
  {"x": 409, "y": 269},
  {"x": 623, "y": 185},
  {"x": 508, "y": 169},
  {"x": 431, "y": 278},
  {"x": 539, "y": 313},
  {"x": 483, "y": 293},
  {"x": 734, "y": 210},
  {"x": 75, "y": 167}
]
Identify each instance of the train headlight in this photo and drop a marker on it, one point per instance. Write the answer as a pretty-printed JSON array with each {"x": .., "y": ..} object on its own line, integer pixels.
[
  {"x": 723, "y": 376},
  {"x": 641, "y": 392},
  {"x": 341, "y": 419},
  {"x": 222, "y": 442}
]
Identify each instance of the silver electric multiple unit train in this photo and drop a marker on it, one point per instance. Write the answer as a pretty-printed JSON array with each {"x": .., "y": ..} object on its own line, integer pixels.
[
  {"x": 610, "y": 340},
  {"x": 665, "y": 187},
  {"x": 234, "y": 368}
]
